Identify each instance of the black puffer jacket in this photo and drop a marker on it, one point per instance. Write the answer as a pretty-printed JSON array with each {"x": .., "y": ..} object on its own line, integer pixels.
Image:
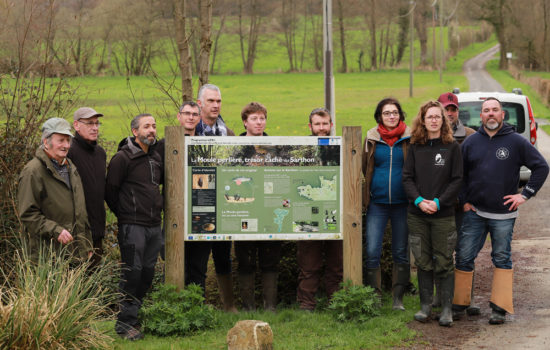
[{"x": 133, "y": 184}]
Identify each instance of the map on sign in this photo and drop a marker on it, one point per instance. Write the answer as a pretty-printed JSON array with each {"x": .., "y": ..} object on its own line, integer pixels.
[
  {"x": 262, "y": 188},
  {"x": 327, "y": 190}
]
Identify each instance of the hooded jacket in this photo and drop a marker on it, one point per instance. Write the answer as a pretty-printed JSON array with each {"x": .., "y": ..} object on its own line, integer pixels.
[
  {"x": 433, "y": 170},
  {"x": 492, "y": 166},
  {"x": 384, "y": 185},
  {"x": 91, "y": 161},
  {"x": 47, "y": 206},
  {"x": 132, "y": 189}
]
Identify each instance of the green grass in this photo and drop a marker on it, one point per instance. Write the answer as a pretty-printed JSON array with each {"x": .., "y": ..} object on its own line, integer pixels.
[
  {"x": 297, "y": 330},
  {"x": 455, "y": 63},
  {"x": 289, "y": 98},
  {"x": 540, "y": 110}
]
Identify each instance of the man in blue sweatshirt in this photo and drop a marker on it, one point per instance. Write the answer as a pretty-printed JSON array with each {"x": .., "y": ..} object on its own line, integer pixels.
[{"x": 492, "y": 159}]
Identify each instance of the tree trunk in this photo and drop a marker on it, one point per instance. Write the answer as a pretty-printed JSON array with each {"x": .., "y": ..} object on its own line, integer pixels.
[
  {"x": 184, "y": 62},
  {"x": 372, "y": 29},
  {"x": 206, "y": 41},
  {"x": 341, "y": 27},
  {"x": 402, "y": 41},
  {"x": 420, "y": 24},
  {"x": 216, "y": 39}
]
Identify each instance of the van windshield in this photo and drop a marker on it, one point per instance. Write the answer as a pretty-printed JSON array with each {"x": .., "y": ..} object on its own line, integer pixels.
[{"x": 514, "y": 114}]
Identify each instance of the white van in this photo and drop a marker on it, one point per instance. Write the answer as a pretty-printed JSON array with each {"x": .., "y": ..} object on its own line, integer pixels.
[{"x": 517, "y": 109}]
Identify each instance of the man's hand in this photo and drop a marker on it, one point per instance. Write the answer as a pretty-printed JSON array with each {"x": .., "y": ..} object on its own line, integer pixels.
[
  {"x": 515, "y": 200},
  {"x": 65, "y": 237},
  {"x": 467, "y": 207}
]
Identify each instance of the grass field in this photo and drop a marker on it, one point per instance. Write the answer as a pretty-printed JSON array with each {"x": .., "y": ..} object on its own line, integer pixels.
[{"x": 288, "y": 97}]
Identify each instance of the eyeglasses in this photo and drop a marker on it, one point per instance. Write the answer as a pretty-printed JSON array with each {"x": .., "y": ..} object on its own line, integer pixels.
[
  {"x": 434, "y": 117},
  {"x": 187, "y": 114},
  {"x": 388, "y": 113},
  {"x": 97, "y": 124}
]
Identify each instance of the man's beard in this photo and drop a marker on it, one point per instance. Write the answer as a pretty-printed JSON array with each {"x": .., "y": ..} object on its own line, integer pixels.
[
  {"x": 492, "y": 125},
  {"x": 146, "y": 141}
]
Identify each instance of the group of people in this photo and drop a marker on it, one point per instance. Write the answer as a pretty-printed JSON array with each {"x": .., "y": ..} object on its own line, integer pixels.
[
  {"x": 444, "y": 187},
  {"x": 416, "y": 178}
]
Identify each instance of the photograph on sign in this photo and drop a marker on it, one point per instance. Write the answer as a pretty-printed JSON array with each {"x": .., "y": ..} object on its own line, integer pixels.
[{"x": 263, "y": 188}]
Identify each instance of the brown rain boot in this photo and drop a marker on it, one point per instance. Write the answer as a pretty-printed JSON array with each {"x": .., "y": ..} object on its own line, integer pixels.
[{"x": 225, "y": 287}]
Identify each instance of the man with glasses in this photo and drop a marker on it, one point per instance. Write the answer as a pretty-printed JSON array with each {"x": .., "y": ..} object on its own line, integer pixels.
[
  {"x": 90, "y": 160},
  {"x": 189, "y": 116}
]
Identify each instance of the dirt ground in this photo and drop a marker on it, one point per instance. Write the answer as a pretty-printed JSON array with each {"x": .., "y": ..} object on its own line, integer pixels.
[{"x": 529, "y": 327}]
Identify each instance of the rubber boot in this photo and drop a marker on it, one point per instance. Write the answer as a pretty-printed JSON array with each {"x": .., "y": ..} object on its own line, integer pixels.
[
  {"x": 426, "y": 287},
  {"x": 225, "y": 287},
  {"x": 501, "y": 295},
  {"x": 437, "y": 296},
  {"x": 400, "y": 276},
  {"x": 373, "y": 278},
  {"x": 447, "y": 286},
  {"x": 246, "y": 284},
  {"x": 473, "y": 310},
  {"x": 463, "y": 292},
  {"x": 269, "y": 284}
]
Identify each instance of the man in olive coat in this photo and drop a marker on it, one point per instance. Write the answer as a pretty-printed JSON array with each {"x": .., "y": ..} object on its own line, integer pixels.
[{"x": 51, "y": 200}]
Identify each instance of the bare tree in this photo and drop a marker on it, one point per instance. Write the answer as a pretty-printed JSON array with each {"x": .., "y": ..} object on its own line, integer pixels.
[
  {"x": 371, "y": 20},
  {"x": 421, "y": 14},
  {"x": 402, "y": 37},
  {"x": 289, "y": 23},
  {"x": 222, "y": 18},
  {"x": 497, "y": 13},
  {"x": 316, "y": 22},
  {"x": 184, "y": 59},
  {"x": 342, "y": 31},
  {"x": 205, "y": 12},
  {"x": 249, "y": 40}
]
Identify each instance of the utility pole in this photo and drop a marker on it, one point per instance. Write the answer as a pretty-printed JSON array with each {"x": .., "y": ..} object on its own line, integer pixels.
[
  {"x": 411, "y": 46},
  {"x": 329, "y": 76}
]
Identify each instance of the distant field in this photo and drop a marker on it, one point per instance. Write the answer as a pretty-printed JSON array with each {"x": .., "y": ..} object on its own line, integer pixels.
[{"x": 288, "y": 97}]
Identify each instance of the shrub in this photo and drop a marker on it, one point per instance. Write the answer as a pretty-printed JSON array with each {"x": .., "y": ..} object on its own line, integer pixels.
[
  {"x": 52, "y": 304},
  {"x": 355, "y": 303},
  {"x": 172, "y": 312}
]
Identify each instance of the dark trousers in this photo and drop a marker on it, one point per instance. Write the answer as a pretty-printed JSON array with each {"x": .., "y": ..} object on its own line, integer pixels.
[
  {"x": 196, "y": 260},
  {"x": 269, "y": 254},
  {"x": 139, "y": 250},
  {"x": 310, "y": 258}
]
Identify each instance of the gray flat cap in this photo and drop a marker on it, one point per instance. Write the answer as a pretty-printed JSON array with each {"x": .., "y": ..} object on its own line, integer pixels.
[
  {"x": 85, "y": 113},
  {"x": 56, "y": 126}
]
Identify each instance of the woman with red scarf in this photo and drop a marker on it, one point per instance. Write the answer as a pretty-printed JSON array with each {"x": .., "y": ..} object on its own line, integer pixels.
[{"x": 384, "y": 198}]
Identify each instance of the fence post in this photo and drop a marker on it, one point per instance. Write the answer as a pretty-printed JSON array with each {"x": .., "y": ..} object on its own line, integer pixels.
[
  {"x": 174, "y": 213},
  {"x": 352, "y": 157}
]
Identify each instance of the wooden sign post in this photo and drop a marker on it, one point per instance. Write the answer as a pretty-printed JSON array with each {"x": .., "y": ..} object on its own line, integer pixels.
[
  {"x": 174, "y": 197},
  {"x": 353, "y": 230}
]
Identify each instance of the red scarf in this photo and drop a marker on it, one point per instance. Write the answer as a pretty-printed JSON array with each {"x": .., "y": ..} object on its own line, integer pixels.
[{"x": 390, "y": 137}]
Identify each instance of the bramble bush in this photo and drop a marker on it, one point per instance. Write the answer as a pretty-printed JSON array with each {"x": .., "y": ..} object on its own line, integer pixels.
[
  {"x": 172, "y": 312},
  {"x": 355, "y": 303}
]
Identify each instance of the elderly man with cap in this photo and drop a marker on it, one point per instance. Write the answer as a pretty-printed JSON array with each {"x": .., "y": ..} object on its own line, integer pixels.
[
  {"x": 51, "y": 201},
  {"x": 90, "y": 160}
]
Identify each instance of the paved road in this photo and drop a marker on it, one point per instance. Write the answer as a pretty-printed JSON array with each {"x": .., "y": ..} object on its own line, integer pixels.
[{"x": 479, "y": 79}]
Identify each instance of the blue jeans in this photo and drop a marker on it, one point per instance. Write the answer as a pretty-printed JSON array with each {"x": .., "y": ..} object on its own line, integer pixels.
[
  {"x": 377, "y": 219},
  {"x": 472, "y": 237}
]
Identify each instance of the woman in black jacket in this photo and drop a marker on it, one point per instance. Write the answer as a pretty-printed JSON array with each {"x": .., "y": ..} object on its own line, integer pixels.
[{"x": 432, "y": 177}]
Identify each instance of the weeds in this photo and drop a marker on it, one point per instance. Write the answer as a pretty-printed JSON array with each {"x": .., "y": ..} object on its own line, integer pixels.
[
  {"x": 54, "y": 305},
  {"x": 355, "y": 303}
]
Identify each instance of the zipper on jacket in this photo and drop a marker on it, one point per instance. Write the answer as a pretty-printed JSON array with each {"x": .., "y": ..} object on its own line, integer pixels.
[
  {"x": 135, "y": 207},
  {"x": 391, "y": 167}
]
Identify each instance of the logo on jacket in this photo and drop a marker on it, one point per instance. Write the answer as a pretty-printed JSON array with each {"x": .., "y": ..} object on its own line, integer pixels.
[
  {"x": 439, "y": 161},
  {"x": 503, "y": 153}
]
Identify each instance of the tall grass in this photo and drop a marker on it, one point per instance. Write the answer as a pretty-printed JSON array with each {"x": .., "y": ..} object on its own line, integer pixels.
[{"x": 52, "y": 304}]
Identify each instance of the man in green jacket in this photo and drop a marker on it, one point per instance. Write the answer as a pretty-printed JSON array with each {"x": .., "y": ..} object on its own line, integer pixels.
[{"x": 51, "y": 200}]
